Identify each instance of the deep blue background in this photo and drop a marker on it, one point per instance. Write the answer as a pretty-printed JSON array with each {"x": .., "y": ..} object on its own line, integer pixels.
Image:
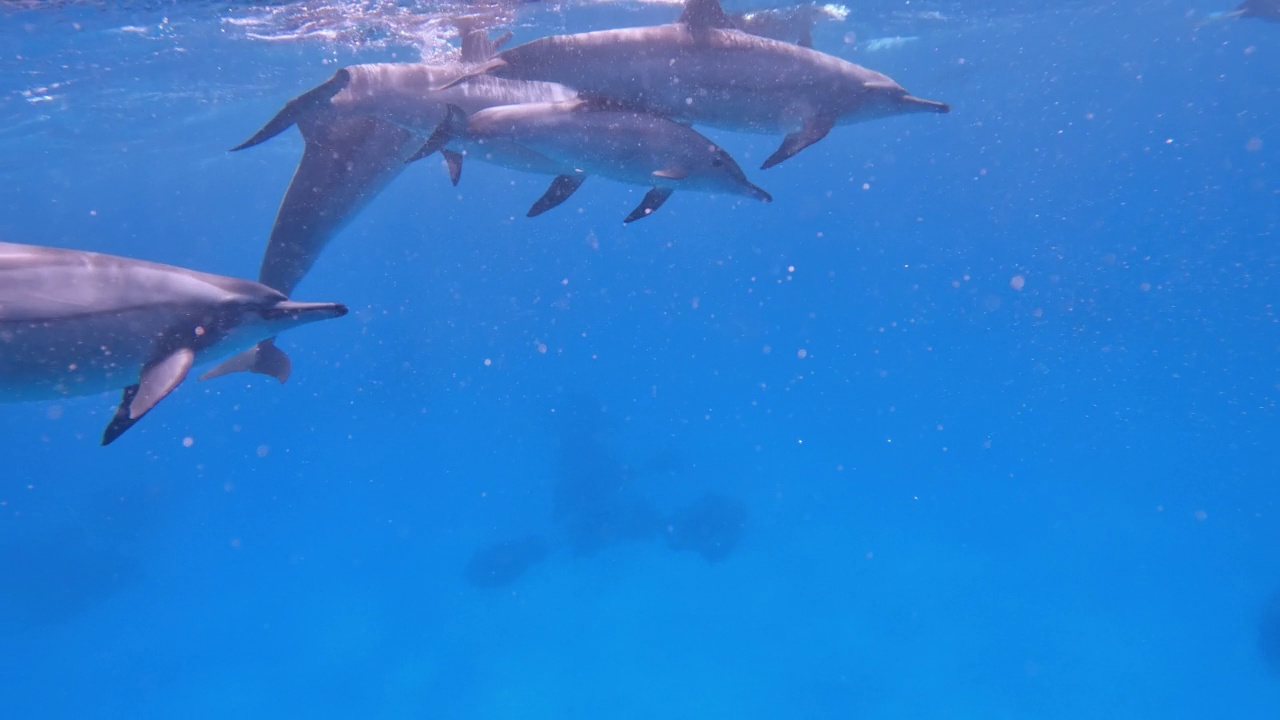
[{"x": 966, "y": 500}]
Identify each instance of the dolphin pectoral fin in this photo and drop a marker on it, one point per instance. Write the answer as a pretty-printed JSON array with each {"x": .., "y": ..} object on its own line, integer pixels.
[
  {"x": 652, "y": 201},
  {"x": 670, "y": 174},
  {"x": 806, "y": 37},
  {"x": 453, "y": 124},
  {"x": 159, "y": 379},
  {"x": 121, "y": 420},
  {"x": 302, "y": 106},
  {"x": 454, "y": 161},
  {"x": 263, "y": 359},
  {"x": 561, "y": 188},
  {"x": 815, "y": 128},
  {"x": 705, "y": 14}
]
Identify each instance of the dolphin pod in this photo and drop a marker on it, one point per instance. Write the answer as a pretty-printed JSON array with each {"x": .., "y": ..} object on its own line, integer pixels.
[
  {"x": 80, "y": 323},
  {"x": 615, "y": 103},
  {"x": 363, "y": 124}
]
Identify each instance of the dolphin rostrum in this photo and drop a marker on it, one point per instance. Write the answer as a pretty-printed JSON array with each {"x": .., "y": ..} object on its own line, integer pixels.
[
  {"x": 704, "y": 71},
  {"x": 81, "y": 323},
  {"x": 582, "y": 138}
]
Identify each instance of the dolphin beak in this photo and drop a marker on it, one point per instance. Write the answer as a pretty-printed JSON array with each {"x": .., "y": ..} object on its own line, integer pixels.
[
  {"x": 304, "y": 312},
  {"x": 758, "y": 193},
  {"x": 922, "y": 105}
]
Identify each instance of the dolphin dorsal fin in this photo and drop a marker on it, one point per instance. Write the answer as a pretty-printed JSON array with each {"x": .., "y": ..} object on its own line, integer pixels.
[
  {"x": 474, "y": 42},
  {"x": 704, "y": 14}
]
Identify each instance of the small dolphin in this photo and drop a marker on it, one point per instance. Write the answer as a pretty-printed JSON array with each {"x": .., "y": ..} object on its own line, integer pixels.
[
  {"x": 584, "y": 138},
  {"x": 702, "y": 70},
  {"x": 81, "y": 323}
]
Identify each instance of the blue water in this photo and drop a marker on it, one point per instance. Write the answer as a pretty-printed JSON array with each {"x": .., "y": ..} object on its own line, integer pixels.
[{"x": 964, "y": 499}]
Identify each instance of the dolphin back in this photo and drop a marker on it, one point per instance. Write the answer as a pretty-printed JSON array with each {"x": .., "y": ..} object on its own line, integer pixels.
[{"x": 41, "y": 284}]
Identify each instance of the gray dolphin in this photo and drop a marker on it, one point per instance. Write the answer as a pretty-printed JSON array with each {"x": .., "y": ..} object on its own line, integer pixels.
[
  {"x": 583, "y": 138},
  {"x": 81, "y": 323},
  {"x": 703, "y": 70},
  {"x": 359, "y": 128}
]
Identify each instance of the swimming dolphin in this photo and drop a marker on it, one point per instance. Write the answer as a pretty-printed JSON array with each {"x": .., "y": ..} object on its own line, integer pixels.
[
  {"x": 81, "y": 323},
  {"x": 359, "y": 128},
  {"x": 585, "y": 138},
  {"x": 702, "y": 70}
]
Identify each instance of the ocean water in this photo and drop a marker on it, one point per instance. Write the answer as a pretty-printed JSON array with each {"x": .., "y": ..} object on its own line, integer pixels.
[{"x": 995, "y": 390}]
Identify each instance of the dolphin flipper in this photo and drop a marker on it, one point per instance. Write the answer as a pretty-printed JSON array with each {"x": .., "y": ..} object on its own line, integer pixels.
[
  {"x": 453, "y": 125},
  {"x": 158, "y": 380},
  {"x": 305, "y": 105},
  {"x": 263, "y": 359},
  {"x": 561, "y": 188},
  {"x": 815, "y": 128},
  {"x": 652, "y": 201},
  {"x": 121, "y": 421},
  {"x": 454, "y": 161}
]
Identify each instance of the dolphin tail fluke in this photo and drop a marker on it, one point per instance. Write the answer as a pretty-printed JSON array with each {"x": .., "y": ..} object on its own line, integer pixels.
[
  {"x": 453, "y": 125},
  {"x": 159, "y": 378},
  {"x": 302, "y": 106},
  {"x": 561, "y": 188},
  {"x": 652, "y": 201},
  {"x": 263, "y": 359},
  {"x": 814, "y": 129}
]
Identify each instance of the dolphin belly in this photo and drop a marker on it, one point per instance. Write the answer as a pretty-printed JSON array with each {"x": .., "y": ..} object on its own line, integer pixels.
[{"x": 66, "y": 357}]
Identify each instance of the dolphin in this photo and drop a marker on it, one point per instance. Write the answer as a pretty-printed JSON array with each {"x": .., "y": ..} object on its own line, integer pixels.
[
  {"x": 359, "y": 127},
  {"x": 1268, "y": 10},
  {"x": 702, "y": 70},
  {"x": 81, "y": 323},
  {"x": 584, "y": 138}
]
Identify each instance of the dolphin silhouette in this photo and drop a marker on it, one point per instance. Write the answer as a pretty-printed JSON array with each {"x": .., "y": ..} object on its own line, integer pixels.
[
  {"x": 81, "y": 323},
  {"x": 705, "y": 71},
  {"x": 1268, "y": 10},
  {"x": 583, "y": 138}
]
